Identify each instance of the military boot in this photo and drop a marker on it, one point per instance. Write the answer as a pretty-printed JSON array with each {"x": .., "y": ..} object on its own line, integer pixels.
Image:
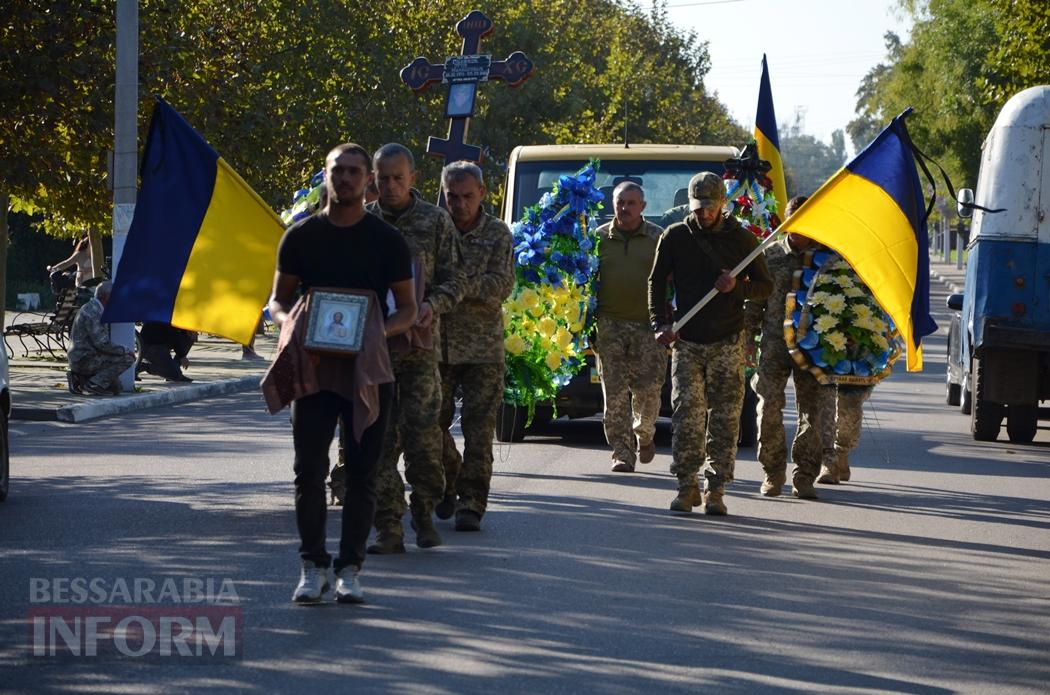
[
  {"x": 714, "y": 504},
  {"x": 688, "y": 497},
  {"x": 772, "y": 485},
  {"x": 803, "y": 489},
  {"x": 842, "y": 466},
  {"x": 446, "y": 507},
  {"x": 828, "y": 475},
  {"x": 426, "y": 535},
  {"x": 389, "y": 541}
]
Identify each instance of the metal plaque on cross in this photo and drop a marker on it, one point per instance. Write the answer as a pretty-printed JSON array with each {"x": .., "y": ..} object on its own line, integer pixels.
[{"x": 461, "y": 75}]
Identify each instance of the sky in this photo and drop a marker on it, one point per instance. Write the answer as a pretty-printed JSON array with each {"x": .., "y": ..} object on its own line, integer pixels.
[{"x": 818, "y": 52}]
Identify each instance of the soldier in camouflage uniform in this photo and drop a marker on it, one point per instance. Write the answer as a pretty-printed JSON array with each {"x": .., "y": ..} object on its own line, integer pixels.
[
  {"x": 632, "y": 365},
  {"x": 433, "y": 239},
  {"x": 95, "y": 361},
  {"x": 784, "y": 258},
  {"x": 472, "y": 358},
  {"x": 840, "y": 433},
  {"x": 707, "y": 363}
]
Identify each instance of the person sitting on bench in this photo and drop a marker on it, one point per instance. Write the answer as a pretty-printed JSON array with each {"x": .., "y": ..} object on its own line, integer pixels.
[
  {"x": 164, "y": 350},
  {"x": 95, "y": 361},
  {"x": 62, "y": 275}
]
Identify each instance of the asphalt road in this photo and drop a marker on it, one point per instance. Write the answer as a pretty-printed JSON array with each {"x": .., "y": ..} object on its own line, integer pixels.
[{"x": 926, "y": 573}]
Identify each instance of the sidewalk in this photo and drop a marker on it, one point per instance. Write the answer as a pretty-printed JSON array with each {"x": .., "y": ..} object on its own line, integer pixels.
[
  {"x": 39, "y": 392},
  {"x": 947, "y": 273}
]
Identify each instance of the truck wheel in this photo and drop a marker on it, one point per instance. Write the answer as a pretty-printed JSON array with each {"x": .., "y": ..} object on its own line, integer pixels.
[
  {"x": 510, "y": 423},
  {"x": 748, "y": 418},
  {"x": 1022, "y": 421},
  {"x": 986, "y": 418},
  {"x": 952, "y": 392}
]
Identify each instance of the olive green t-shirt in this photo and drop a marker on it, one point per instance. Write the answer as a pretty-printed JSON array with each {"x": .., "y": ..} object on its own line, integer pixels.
[{"x": 624, "y": 262}]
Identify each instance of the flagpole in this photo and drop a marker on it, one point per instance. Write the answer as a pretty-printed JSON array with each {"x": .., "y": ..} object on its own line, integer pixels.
[
  {"x": 733, "y": 273},
  {"x": 125, "y": 154}
]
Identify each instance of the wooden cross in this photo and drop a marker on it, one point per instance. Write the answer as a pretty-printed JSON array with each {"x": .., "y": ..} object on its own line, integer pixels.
[{"x": 462, "y": 74}]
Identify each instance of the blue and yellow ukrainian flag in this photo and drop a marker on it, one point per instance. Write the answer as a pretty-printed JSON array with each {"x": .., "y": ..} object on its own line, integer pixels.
[
  {"x": 202, "y": 247},
  {"x": 767, "y": 138},
  {"x": 872, "y": 213}
]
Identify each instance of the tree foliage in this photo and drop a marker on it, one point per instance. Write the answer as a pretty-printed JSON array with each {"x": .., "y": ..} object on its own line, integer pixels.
[
  {"x": 272, "y": 85},
  {"x": 963, "y": 61},
  {"x": 808, "y": 162}
]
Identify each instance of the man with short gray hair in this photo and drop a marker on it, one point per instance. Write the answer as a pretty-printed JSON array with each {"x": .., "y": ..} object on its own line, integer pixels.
[
  {"x": 472, "y": 358},
  {"x": 434, "y": 244},
  {"x": 632, "y": 365},
  {"x": 95, "y": 361}
]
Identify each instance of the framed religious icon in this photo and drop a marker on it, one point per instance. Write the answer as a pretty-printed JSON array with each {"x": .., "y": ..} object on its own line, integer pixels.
[{"x": 335, "y": 322}]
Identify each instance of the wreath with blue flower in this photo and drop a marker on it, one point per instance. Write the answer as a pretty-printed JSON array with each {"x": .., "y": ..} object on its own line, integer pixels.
[
  {"x": 837, "y": 330},
  {"x": 548, "y": 316}
]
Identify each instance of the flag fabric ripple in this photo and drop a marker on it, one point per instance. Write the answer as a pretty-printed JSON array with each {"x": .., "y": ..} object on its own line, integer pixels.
[
  {"x": 872, "y": 213},
  {"x": 202, "y": 247},
  {"x": 768, "y": 140}
]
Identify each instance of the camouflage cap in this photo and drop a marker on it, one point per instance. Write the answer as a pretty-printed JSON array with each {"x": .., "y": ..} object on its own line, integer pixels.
[{"x": 706, "y": 190}]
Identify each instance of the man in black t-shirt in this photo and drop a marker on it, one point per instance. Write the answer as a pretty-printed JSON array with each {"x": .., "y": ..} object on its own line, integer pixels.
[{"x": 341, "y": 246}]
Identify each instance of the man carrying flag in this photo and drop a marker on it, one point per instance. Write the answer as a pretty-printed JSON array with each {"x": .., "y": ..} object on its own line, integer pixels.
[{"x": 707, "y": 362}]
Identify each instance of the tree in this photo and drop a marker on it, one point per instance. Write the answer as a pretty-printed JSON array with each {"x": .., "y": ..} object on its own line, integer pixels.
[
  {"x": 964, "y": 59},
  {"x": 1021, "y": 55},
  {"x": 808, "y": 162}
]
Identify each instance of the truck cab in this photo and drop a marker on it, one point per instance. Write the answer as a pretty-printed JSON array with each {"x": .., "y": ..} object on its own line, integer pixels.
[
  {"x": 999, "y": 350},
  {"x": 664, "y": 172}
]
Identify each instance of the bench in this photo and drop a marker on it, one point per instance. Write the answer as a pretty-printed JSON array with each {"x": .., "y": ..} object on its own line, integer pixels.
[{"x": 50, "y": 334}]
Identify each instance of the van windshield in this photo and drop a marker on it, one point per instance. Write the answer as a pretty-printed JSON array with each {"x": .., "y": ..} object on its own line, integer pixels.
[{"x": 665, "y": 182}]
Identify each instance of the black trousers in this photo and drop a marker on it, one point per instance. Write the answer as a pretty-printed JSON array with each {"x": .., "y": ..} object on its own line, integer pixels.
[
  {"x": 158, "y": 359},
  {"x": 313, "y": 425}
]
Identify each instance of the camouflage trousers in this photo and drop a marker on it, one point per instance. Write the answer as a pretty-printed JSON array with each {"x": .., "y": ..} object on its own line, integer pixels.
[
  {"x": 632, "y": 367},
  {"x": 414, "y": 430},
  {"x": 844, "y": 413},
  {"x": 770, "y": 380},
  {"x": 103, "y": 370},
  {"x": 707, "y": 391},
  {"x": 467, "y": 476}
]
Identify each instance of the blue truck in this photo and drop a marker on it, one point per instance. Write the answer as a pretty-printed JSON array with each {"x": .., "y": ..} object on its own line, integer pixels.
[{"x": 999, "y": 340}]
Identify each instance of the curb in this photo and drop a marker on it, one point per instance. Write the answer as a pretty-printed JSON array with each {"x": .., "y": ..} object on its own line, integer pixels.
[
  {"x": 951, "y": 285},
  {"x": 83, "y": 412}
]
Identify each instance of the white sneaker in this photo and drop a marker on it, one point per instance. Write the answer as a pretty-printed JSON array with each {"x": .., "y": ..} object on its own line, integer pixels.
[
  {"x": 348, "y": 586},
  {"x": 313, "y": 583}
]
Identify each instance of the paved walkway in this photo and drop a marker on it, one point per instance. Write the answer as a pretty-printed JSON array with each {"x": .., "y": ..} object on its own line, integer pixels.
[{"x": 39, "y": 391}]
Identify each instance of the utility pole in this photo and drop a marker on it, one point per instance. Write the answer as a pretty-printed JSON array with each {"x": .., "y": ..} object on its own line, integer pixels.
[{"x": 125, "y": 153}]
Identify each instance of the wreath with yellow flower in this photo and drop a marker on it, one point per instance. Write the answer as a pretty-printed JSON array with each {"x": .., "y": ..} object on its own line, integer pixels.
[
  {"x": 837, "y": 329},
  {"x": 546, "y": 319}
]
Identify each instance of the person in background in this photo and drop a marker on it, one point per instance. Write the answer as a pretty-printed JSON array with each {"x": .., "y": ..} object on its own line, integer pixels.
[
  {"x": 80, "y": 261},
  {"x": 95, "y": 361},
  {"x": 164, "y": 351},
  {"x": 632, "y": 365}
]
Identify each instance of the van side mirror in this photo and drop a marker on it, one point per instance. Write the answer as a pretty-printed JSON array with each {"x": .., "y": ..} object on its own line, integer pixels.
[
  {"x": 965, "y": 199},
  {"x": 955, "y": 302}
]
